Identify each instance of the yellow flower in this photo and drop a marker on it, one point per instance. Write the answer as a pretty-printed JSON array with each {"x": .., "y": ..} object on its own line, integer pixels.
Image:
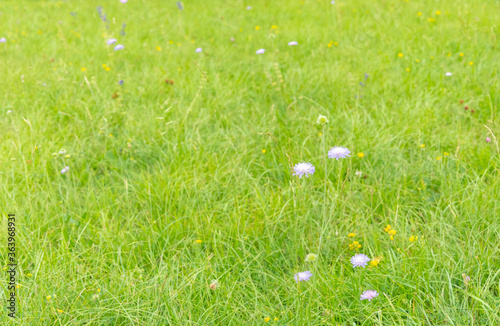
[
  {"x": 417, "y": 60},
  {"x": 263, "y": 151},
  {"x": 276, "y": 319},
  {"x": 354, "y": 245},
  {"x": 413, "y": 238},
  {"x": 274, "y": 27},
  {"x": 319, "y": 134},
  {"x": 449, "y": 54},
  {"x": 48, "y": 297},
  {"x": 392, "y": 232},
  {"x": 83, "y": 69},
  {"x": 419, "y": 14},
  {"x": 198, "y": 241},
  {"x": 387, "y": 228},
  {"x": 158, "y": 48},
  {"x": 375, "y": 261},
  {"x": 257, "y": 28},
  {"x": 351, "y": 235},
  {"x": 108, "y": 69},
  {"x": 431, "y": 19},
  {"x": 471, "y": 63},
  {"x": 446, "y": 154},
  {"x": 104, "y": 65},
  {"x": 98, "y": 290},
  {"x": 329, "y": 45},
  {"x": 438, "y": 158},
  {"x": 361, "y": 155},
  {"x": 29, "y": 274},
  {"x": 60, "y": 311},
  {"x": 400, "y": 55},
  {"x": 407, "y": 69},
  {"x": 438, "y": 12},
  {"x": 422, "y": 146},
  {"x": 336, "y": 43},
  {"x": 267, "y": 319},
  {"x": 392, "y": 237},
  {"x": 170, "y": 42},
  {"x": 461, "y": 54}
]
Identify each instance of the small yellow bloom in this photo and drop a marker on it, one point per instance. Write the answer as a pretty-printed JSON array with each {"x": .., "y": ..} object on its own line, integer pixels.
[
  {"x": 419, "y": 14},
  {"x": 422, "y": 146},
  {"x": 461, "y": 54},
  {"x": 83, "y": 69},
  {"x": 449, "y": 54},
  {"x": 432, "y": 58},
  {"x": 392, "y": 232},
  {"x": 438, "y": 12},
  {"x": 276, "y": 319},
  {"x": 98, "y": 290},
  {"x": 417, "y": 60},
  {"x": 319, "y": 134},
  {"x": 198, "y": 241},
  {"x": 354, "y": 245},
  {"x": 446, "y": 154},
  {"x": 407, "y": 69},
  {"x": 48, "y": 297},
  {"x": 18, "y": 286},
  {"x": 471, "y": 63},
  {"x": 170, "y": 42},
  {"x": 361, "y": 155},
  {"x": 351, "y": 235},
  {"x": 60, "y": 311},
  {"x": 158, "y": 48},
  {"x": 329, "y": 45},
  {"x": 438, "y": 158},
  {"x": 107, "y": 68},
  {"x": 267, "y": 319},
  {"x": 274, "y": 27},
  {"x": 387, "y": 228},
  {"x": 39, "y": 32},
  {"x": 29, "y": 274},
  {"x": 111, "y": 135},
  {"x": 257, "y": 28},
  {"x": 392, "y": 237},
  {"x": 400, "y": 55},
  {"x": 263, "y": 151},
  {"x": 413, "y": 238},
  {"x": 104, "y": 65},
  {"x": 431, "y": 20},
  {"x": 336, "y": 43},
  {"x": 375, "y": 261}
]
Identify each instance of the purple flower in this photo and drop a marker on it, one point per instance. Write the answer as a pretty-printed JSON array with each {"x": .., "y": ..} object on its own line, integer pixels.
[
  {"x": 198, "y": 50},
  {"x": 338, "y": 152},
  {"x": 66, "y": 169},
  {"x": 303, "y": 169},
  {"x": 3, "y": 40},
  {"x": 359, "y": 260},
  {"x": 260, "y": 51},
  {"x": 123, "y": 1},
  {"x": 302, "y": 276},
  {"x": 111, "y": 41},
  {"x": 488, "y": 139},
  {"x": 293, "y": 43},
  {"x": 369, "y": 295},
  {"x": 119, "y": 47},
  {"x": 120, "y": 82}
]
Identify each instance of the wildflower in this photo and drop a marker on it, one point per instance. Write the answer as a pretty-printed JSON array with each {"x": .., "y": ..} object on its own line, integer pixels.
[
  {"x": 311, "y": 257},
  {"x": 359, "y": 260},
  {"x": 249, "y": 7},
  {"x": 123, "y": 1},
  {"x": 214, "y": 285},
  {"x": 83, "y": 69},
  {"x": 351, "y": 235},
  {"x": 119, "y": 47},
  {"x": 29, "y": 274},
  {"x": 438, "y": 158},
  {"x": 413, "y": 238},
  {"x": 302, "y": 169},
  {"x": 392, "y": 232},
  {"x": 198, "y": 50},
  {"x": 332, "y": 2},
  {"x": 407, "y": 69},
  {"x": 263, "y": 151},
  {"x": 419, "y": 14},
  {"x": 198, "y": 241},
  {"x": 60, "y": 311},
  {"x": 322, "y": 120},
  {"x": 158, "y": 48},
  {"x": 438, "y": 12},
  {"x": 120, "y": 82},
  {"x": 369, "y": 295},
  {"x": 466, "y": 279},
  {"x": 431, "y": 20},
  {"x": 359, "y": 174},
  {"x": 461, "y": 54},
  {"x": 446, "y": 154},
  {"x": 448, "y": 74},
  {"x": 387, "y": 228},
  {"x": 354, "y": 245},
  {"x": 422, "y": 146},
  {"x": 302, "y": 276},
  {"x": 260, "y": 51},
  {"x": 48, "y": 297},
  {"x": 488, "y": 139},
  {"x": 66, "y": 169},
  {"x": 257, "y": 28},
  {"x": 471, "y": 63},
  {"x": 62, "y": 151},
  {"x": 375, "y": 261},
  {"x": 267, "y": 319},
  {"x": 338, "y": 152},
  {"x": 361, "y": 155},
  {"x": 3, "y": 40},
  {"x": 400, "y": 55},
  {"x": 293, "y": 43},
  {"x": 112, "y": 41},
  {"x": 276, "y": 319}
]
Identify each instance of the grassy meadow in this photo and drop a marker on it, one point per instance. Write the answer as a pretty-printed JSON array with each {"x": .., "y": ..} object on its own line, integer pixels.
[{"x": 179, "y": 204}]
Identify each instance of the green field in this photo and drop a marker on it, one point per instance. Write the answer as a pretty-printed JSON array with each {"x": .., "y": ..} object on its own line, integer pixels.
[{"x": 179, "y": 205}]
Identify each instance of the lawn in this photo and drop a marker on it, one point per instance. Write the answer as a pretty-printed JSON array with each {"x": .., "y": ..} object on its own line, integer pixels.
[{"x": 149, "y": 152}]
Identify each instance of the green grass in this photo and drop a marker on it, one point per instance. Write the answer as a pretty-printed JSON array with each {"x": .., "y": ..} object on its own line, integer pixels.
[{"x": 155, "y": 167}]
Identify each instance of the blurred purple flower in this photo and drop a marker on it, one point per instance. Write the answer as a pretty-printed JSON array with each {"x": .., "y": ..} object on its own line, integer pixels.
[
  {"x": 302, "y": 276},
  {"x": 369, "y": 295},
  {"x": 112, "y": 41},
  {"x": 360, "y": 260},
  {"x": 120, "y": 82},
  {"x": 3, "y": 40},
  {"x": 338, "y": 152},
  {"x": 119, "y": 47},
  {"x": 260, "y": 51},
  {"x": 198, "y": 50},
  {"x": 293, "y": 43},
  {"x": 488, "y": 139}
]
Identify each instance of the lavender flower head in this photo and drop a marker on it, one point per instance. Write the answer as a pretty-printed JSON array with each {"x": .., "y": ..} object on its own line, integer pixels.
[
  {"x": 303, "y": 169},
  {"x": 119, "y": 47},
  {"x": 488, "y": 139},
  {"x": 260, "y": 51},
  {"x": 369, "y": 295},
  {"x": 359, "y": 260},
  {"x": 120, "y": 82},
  {"x": 111, "y": 41},
  {"x": 338, "y": 152},
  {"x": 66, "y": 169},
  {"x": 302, "y": 276},
  {"x": 123, "y": 1},
  {"x": 448, "y": 74},
  {"x": 3, "y": 40},
  {"x": 293, "y": 43},
  {"x": 198, "y": 50}
]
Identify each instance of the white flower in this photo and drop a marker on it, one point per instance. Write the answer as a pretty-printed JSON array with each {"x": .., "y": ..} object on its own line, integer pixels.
[
  {"x": 303, "y": 169},
  {"x": 359, "y": 173},
  {"x": 359, "y": 260},
  {"x": 198, "y": 50},
  {"x": 448, "y": 74},
  {"x": 261, "y": 51},
  {"x": 322, "y": 120},
  {"x": 293, "y": 43},
  {"x": 3, "y": 40},
  {"x": 66, "y": 169},
  {"x": 249, "y": 7},
  {"x": 119, "y": 47},
  {"x": 62, "y": 151},
  {"x": 338, "y": 152},
  {"x": 369, "y": 295}
]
